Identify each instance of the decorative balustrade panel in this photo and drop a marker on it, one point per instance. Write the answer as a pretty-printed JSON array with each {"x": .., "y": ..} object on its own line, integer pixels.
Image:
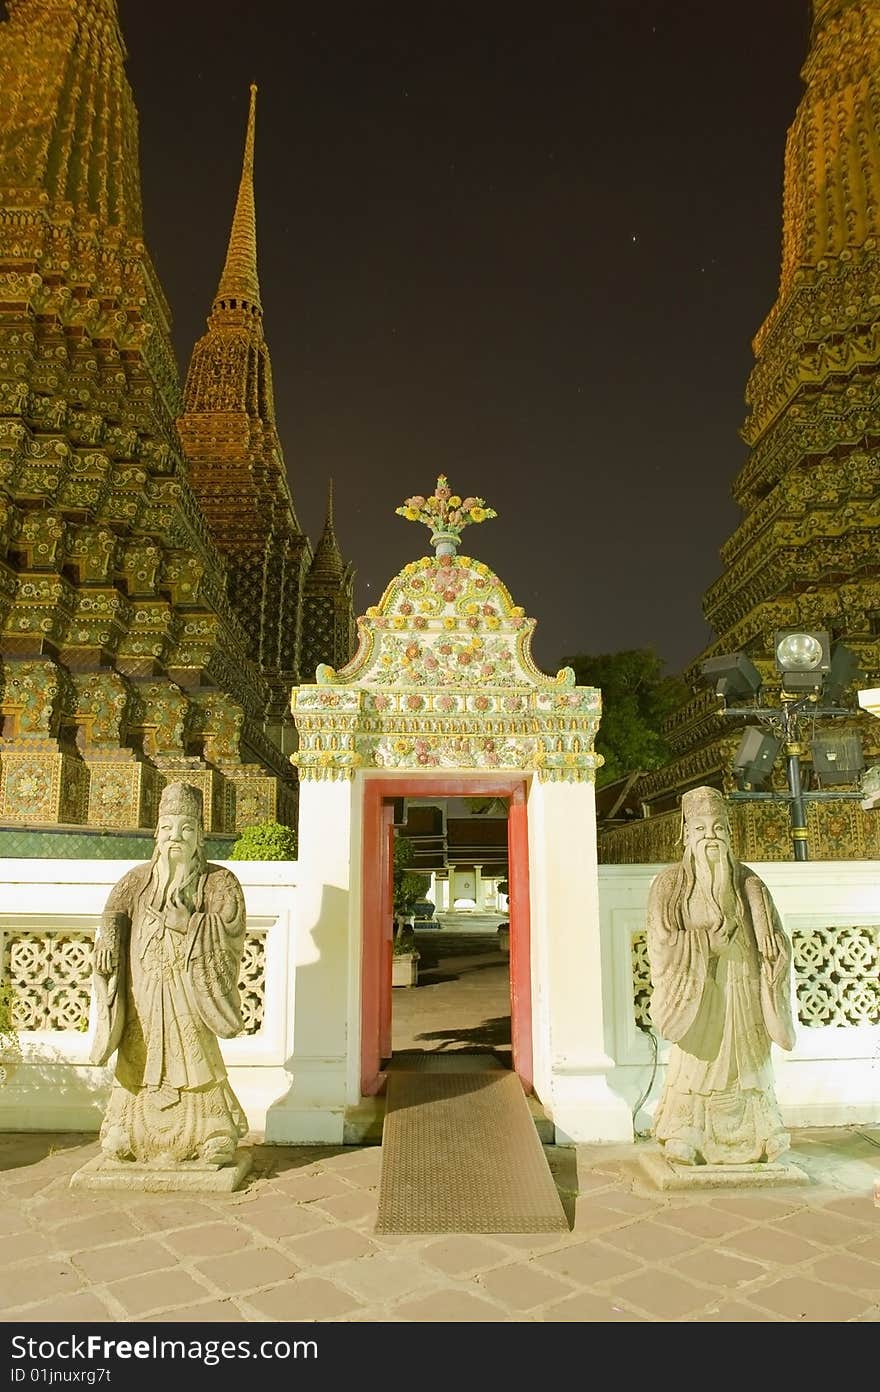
[
  {"x": 252, "y": 982},
  {"x": 50, "y": 971},
  {"x": 837, "y": 971},
  {"x": 837, "y": 976},
  {"x": 641, "y": 974}
]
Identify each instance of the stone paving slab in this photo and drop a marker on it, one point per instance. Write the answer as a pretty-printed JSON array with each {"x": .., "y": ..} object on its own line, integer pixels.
[{"x": 296, "y": 1242}]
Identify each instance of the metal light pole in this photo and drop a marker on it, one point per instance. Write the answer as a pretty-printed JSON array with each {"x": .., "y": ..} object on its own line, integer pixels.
[{"x": 793, "y": 750}]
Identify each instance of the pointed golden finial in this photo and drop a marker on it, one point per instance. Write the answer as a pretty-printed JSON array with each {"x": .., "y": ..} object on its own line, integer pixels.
[{"x": 239, "y": 280}]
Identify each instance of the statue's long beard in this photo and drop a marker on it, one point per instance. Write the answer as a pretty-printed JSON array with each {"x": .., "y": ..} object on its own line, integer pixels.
[
  {"x": 716, "y": 880},
  {"x": 174, "y": 879}
]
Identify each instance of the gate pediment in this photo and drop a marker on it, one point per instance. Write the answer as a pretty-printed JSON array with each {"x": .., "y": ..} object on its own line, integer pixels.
[{"x": 443, "y": 679}]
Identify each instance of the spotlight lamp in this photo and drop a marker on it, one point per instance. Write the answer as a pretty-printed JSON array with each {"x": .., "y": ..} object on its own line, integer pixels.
[
  {"x": 843, "y": 672},
  {"x": 733, "y": 676},
  {"x": 837, "y": 758},
  {"x": 755, "y": 757},
  {"x": 803, "y": 658}
]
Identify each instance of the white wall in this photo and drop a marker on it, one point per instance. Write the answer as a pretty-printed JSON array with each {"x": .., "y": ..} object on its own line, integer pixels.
[{"x": 297, "y": 1076}]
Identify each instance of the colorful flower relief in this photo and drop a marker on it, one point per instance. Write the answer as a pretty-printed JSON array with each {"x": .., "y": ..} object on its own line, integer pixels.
[{"x": 443, "y": 677}]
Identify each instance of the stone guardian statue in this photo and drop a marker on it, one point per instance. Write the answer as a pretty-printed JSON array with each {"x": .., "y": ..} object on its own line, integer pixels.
[
  {"x": 167, "y": 958},
  {"x": 721, "y": 974}
]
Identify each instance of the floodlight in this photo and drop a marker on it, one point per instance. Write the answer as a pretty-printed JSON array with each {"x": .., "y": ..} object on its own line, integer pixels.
[
  {"x": 755, "y": 757},
  {"x": 803, "y": 658},
  {"x": 732, "y": 675},
  {"x": 837, "y": 758},
  {"x": 843, "y": 671}
]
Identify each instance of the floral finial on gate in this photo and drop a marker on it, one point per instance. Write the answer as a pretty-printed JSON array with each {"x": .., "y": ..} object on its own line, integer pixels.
[{"x": 446, "y": 514}]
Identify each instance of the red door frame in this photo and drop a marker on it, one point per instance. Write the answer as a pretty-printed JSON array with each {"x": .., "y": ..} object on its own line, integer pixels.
[{"x": 376, "y": 923}]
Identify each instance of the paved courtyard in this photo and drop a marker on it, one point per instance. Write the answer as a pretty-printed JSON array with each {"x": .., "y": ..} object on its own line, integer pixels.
[{"x": 297, "y": 1243}]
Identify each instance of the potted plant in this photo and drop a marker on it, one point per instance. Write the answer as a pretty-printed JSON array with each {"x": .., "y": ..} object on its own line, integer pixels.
[
  {"x": 409, "y": 888},
  {"x": 504, "y": 928},
  {"x": 405, "y": 958}
]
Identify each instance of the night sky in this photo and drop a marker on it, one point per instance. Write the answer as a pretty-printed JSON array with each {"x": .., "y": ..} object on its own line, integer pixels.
[{"x": 525, "y": 246}]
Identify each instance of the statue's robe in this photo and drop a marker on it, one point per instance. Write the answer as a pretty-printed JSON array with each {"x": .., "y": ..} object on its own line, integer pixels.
[
  {"x": 170, "y": 997},
  {"x": 720, "y": 1004}
]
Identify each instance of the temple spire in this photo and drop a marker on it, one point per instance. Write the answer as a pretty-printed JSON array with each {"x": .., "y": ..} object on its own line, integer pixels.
[
  {"x": 239, "y": 281},
  {"x": 328, "y": 563}
]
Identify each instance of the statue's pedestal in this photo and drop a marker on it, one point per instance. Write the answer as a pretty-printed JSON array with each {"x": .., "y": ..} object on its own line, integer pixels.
[
  {"x": 667, "y": 1174},
  {"x": 187, "y": 1177}
]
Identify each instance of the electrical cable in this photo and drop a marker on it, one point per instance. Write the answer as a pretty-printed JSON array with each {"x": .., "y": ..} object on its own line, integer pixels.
[{"x": 646, "y": 1029}]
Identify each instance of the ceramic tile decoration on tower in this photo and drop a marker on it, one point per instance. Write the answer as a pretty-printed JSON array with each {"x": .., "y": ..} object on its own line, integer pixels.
[
  {"x": 805, "y": 554},
  {"x": 155, "y": 584}
]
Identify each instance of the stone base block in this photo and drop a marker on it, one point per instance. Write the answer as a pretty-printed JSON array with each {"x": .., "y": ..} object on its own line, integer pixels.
[
  {"x": 43, "y": 785},
  {"x": 188, "y": 1177},
  {"x": 123, "y": 792},
  {"x": 666, "y": 1174},
  {"x": 255, "y": 795}
]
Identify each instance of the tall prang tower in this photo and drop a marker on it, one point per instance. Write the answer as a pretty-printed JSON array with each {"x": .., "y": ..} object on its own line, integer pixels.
[
  {"x": 132, "y": 648},
  {"x": 807, "y": 550},
  {"x": 236, "y": 465}
]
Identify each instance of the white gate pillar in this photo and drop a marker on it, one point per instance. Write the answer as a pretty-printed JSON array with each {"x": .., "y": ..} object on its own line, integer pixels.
[
  {"x": 569, "y": 990},
  {"x": 323, "y": 1003}
]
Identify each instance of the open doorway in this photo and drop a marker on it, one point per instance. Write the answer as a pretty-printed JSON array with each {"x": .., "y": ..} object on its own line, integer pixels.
[
  {"x": 475, "y": 982},
  {"x": 450, "y": 954}
]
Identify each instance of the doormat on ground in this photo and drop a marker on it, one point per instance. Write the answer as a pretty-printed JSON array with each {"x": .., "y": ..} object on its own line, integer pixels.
[{"x": 460, "y": 1154}]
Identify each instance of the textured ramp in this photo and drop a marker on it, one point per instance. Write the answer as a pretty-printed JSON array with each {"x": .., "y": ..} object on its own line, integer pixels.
[{"x": 460, "y": 1154}]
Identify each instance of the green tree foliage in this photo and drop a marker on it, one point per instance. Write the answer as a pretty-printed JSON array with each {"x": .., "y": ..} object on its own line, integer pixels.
[
  {"x": 636, "y": 699},
  {"x": 409, "y": 885},
  {"x": 265, "y": 841},
  {"x": 8, "y": 1031}
]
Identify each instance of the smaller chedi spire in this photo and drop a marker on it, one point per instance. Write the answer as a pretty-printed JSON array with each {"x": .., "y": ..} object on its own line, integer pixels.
[
  {"x": 327, "y": 563},
  {"x": 239, "y": 284},
  {"x": 328, "y": 615}
]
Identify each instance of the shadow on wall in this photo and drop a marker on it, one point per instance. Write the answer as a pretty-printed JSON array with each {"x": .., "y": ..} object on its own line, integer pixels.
[
  {"x": 44, "y": 1082},
  {"x": 318, "y": 1001}
]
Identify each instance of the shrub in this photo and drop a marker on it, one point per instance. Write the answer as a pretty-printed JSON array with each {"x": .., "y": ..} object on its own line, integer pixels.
[
  {"x": 265, "y": 841},
  {"x": 8, "y": 1031},
  {"x": 405, "y": 943},
  {"x": 409, "y": 885}
]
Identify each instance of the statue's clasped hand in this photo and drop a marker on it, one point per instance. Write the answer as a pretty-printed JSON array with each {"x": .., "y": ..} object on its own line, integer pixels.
[
  {"x": 177, "y": 919},
  {"x": 105, "y": 958},
  {"x": 107, "y": 945}
]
